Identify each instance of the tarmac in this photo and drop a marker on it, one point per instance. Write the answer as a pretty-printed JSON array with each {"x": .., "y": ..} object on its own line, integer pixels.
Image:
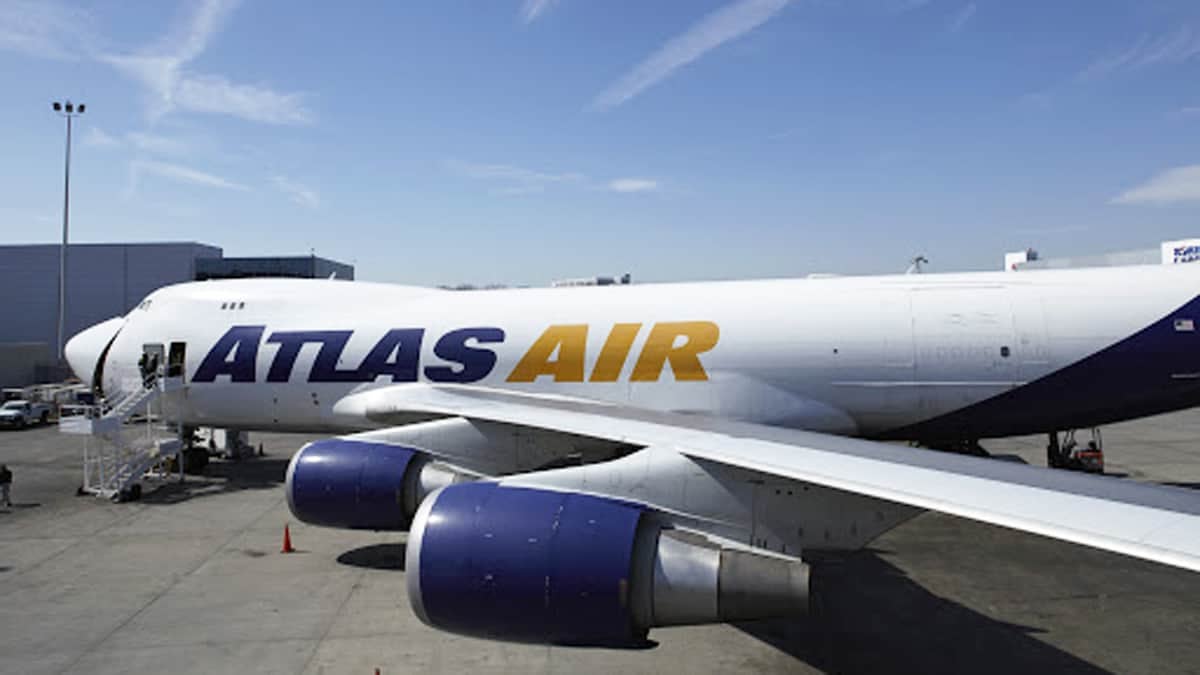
[{"x": 191, "y": 580}]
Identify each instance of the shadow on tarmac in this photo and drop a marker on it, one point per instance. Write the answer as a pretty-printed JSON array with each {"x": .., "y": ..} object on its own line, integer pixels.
[
  {"x": 1016, "y": 459},
  {"x": 868, "y": 616},
  {"x": 375, "y": 557},
  {"x": 17, "y": 506},
  {"x": 223, "y": 477}
]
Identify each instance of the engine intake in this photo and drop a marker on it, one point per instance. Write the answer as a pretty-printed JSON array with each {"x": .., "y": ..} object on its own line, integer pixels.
[
  {"x": 359, "y": 485},
  {"x": 531, "y": 565}
]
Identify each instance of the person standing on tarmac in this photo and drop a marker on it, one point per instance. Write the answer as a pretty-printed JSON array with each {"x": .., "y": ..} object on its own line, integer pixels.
[{"x": 6, "y": 485}]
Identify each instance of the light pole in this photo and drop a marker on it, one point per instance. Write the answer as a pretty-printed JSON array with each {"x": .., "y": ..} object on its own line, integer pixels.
[{"x": 68, "y": 110}]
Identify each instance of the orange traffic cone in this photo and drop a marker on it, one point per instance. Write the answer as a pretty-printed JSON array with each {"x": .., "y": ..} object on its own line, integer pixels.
[{"x": 287, "y": 541}]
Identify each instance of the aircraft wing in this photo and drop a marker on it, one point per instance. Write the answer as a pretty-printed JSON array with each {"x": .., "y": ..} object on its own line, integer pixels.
[{"x": 1153, "y": 522}]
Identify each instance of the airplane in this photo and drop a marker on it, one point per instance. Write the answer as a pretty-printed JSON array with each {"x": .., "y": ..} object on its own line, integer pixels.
[{"x": 581, "y": 465}]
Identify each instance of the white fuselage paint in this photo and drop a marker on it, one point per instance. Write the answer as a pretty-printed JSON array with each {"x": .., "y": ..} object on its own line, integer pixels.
[{"x": 846, "y": 355}]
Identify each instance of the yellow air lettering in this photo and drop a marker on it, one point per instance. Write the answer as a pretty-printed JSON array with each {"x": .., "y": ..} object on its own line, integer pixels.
[
  {"x": 699, "y": 337},
  {"x": 614, "y": 352},
  {"x": 569, "y": 342}
]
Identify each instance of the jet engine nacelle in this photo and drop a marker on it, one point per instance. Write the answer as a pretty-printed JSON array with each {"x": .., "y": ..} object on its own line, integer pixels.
[
  {"x": 532, "y": 565},
  {"x": 345, "y": 483}
]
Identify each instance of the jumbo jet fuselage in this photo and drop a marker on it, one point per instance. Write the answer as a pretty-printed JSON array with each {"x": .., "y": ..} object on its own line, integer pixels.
[{"x": 920, "y": 357}]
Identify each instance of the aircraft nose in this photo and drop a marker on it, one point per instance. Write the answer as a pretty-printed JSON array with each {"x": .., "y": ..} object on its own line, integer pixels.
[{"x": 84, "y": 348}]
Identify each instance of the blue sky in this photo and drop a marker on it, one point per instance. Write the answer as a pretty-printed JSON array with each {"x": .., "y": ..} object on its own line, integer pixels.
[{"x": 518, "y": 142}]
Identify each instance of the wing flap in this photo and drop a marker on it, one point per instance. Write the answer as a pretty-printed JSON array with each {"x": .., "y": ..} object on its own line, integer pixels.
[{"x": 1147, "y": 521}]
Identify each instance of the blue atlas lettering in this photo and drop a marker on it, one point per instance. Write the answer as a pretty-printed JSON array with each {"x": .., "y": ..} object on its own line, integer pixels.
[
  {"x": 235, "y": 355},
  {"x": 396, "y": 355},
  {"x": 405, "y": 343},
  {"x": 474, "y": 363},
  {"x": 324, "y": 368}
]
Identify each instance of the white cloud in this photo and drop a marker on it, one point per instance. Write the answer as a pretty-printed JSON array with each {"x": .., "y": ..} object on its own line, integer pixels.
[
  {"x": 1180, "y": 184},
  {"x": 156, "y": 144},
  {"x": 785, "y": 134},
  {"x": 512, "y": 180},
  {"x": 725, "y": 24},
  {"x": 959, "y": 19},
  {"x": 298, "y": 193},
  {"x": 49, "y": 29},
  {"x": 1177, "y": 47},
  {"x": 136, "y": 140},
  {"x": 215, "y": 94},
  {"x": 45, "y": 29},
  {"x": 633, "y": 185},
  {"x": 532, "y": 9},
  {"x": 179, "y": 174},
  {"x": 161, "y": 69},
  {"x": 96, "y": 138},
  {"x": 509, "y": 172},
  {"x": 188, "y": 39},
  {"x": 518, "y": 190}
]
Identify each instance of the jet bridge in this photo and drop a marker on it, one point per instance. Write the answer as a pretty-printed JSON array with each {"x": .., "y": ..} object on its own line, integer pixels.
[{"x": 121, "y": 452}]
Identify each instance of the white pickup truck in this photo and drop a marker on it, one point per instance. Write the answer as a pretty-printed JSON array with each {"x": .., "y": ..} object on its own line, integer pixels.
[{"x": 18, "y": 414}]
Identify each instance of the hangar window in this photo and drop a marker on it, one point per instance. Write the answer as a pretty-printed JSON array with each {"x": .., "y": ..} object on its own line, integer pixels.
[{"x": 241, "y": 305}]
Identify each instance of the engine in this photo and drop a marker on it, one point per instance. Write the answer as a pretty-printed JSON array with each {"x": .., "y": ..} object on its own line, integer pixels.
[
  {"x": 532, "y": 565},
  {"x": 361, "y": 485}
]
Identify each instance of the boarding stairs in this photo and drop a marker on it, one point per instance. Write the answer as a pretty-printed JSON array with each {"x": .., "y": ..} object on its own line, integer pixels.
[{"x": 120, "y": 453}]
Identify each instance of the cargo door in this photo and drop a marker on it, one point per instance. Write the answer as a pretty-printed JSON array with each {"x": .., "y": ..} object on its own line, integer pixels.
[{"x": 963, "y": 343}]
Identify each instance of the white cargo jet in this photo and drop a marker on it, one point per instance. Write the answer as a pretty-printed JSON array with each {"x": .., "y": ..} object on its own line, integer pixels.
[{"x": 579, "y": 465}]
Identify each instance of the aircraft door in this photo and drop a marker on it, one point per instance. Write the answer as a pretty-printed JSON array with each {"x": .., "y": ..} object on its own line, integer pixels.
[
  {"x": 152, "y": 359},
  {"x": 176, "y": 360},
  {"x": 1032, "y": 347},
  {"x": 964, "y": 344}
]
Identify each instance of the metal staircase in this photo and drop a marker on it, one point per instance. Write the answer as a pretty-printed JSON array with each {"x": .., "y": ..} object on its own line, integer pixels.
[{"x": 119, "y": 455}]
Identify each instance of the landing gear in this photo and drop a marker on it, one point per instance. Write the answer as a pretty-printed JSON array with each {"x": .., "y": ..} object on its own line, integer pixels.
[
  {"x": 1054, "y": 456},
  {"x": 959, "y": 447},
  {"x": 1069, "y": 454},
  {"x": 194, "y": 460}
]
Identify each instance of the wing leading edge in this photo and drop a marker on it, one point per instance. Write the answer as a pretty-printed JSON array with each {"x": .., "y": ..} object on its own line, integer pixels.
[{"x": 1153, "y": 522}]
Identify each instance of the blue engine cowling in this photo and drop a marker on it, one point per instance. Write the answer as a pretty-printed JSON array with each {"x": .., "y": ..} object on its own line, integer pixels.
[
  {"x": 525, "y": 565},
  {"x": 351, "y": 484}
]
